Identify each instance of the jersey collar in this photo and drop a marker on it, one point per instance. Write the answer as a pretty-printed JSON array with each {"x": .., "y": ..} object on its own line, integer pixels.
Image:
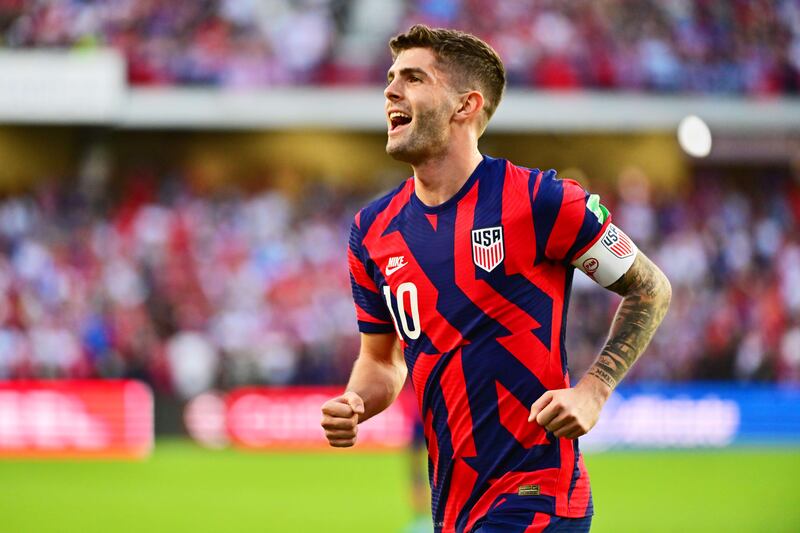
[{"x": 479, "y": 170}]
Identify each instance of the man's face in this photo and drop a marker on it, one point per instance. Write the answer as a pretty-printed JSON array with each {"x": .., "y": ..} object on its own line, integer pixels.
[{"x": 419, "y": 106}]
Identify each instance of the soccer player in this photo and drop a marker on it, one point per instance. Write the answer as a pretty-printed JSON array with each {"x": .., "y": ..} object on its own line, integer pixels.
[{"x": 461, "y": 279}]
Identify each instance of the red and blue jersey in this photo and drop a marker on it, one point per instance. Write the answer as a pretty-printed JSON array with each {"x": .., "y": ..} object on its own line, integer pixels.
[{"x": 477, "y": 290}]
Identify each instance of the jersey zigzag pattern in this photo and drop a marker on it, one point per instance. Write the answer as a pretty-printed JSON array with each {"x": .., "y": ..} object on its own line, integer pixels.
[{"x": 480, "y": 306}]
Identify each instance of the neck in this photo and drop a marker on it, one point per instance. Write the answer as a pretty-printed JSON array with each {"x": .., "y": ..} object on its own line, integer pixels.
[{"x": 438, "y": 179}]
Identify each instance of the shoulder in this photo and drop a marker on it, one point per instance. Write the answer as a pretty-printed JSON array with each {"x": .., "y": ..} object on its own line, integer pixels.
[
  {"x": 515, "y": 179},
  {"x": 367, "y": 214},
  {"x": 542, "y": 186},
  {"x": 549, "y": 188},
  {"x": 548, "y": 183}
]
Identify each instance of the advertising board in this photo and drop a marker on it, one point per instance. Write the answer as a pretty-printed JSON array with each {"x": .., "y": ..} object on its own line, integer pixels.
[{"x": 71, "y": 419}]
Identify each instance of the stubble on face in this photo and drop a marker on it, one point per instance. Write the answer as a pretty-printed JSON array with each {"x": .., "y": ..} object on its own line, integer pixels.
[{"x": 427, "y": 137}]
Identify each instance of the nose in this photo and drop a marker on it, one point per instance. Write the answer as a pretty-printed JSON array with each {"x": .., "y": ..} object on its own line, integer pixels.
[{"x": 391, "y": 91}]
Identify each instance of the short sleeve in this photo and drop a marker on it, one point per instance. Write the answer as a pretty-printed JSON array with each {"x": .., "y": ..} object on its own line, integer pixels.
[
  {"x": 371, "y": 311},
  {"x": 567, "y": 219}
]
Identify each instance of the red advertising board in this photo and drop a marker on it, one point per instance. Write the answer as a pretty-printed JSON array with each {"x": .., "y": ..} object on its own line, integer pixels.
[
  {"x": 72, "y": 419},
  {"x": 289, "y": 418}
]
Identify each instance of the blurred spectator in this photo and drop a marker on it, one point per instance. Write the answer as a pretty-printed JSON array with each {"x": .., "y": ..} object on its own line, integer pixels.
[
  {"x": 193, "y": 363},
  {"x": 739, "y": 47}
]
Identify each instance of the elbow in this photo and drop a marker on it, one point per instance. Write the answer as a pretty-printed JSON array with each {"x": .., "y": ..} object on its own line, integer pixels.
[
  {"x": 666, "y": 291},
  {"x": 658, "y": 289},
  {"x": 402, "y": 374}
]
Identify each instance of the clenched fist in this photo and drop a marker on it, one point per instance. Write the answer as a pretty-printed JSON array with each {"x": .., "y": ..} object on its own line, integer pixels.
[
  {"x": 570, "y": 413},
  {"x": 340, "y": 419}
]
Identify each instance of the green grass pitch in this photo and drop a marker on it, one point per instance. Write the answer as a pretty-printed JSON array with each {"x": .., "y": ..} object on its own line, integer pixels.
[{"x": 183, "y": 488}]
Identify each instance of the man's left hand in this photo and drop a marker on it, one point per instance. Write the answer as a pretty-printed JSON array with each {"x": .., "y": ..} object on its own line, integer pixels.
[{"x": 571, "y": 413}]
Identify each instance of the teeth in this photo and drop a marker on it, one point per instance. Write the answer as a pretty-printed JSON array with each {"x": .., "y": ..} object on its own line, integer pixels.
[{"x": 398, "y": 114}]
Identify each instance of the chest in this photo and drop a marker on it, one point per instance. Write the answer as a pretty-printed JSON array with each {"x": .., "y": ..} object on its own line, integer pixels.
[
  {"x": 452, "y": 265},
  {"x": 469, "y": 242}
]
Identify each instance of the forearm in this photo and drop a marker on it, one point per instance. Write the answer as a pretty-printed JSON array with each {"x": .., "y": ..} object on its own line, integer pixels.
[
  {"x": 378, "y": 383},
  {"x": 646, "y": 297}
]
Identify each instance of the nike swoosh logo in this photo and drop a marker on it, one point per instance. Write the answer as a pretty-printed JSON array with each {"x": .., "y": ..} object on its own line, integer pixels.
[{"x": 392, "y": 270}]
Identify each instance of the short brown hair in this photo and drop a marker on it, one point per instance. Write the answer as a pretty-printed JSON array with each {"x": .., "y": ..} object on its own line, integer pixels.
[{"x": 473, "y": 63}]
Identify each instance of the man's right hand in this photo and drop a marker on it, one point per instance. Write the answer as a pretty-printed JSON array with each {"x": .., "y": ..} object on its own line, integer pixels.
[{"x": 340, "y": 419}]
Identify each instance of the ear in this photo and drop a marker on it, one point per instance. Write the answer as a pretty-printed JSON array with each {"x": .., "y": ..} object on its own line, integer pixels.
[{"x": 470, "y": 107}]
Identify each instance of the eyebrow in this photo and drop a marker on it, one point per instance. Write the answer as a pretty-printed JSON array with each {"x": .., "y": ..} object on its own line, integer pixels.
[{"x": 406, "y": 72}]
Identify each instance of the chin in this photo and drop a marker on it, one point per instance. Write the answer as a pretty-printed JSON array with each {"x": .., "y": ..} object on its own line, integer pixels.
[
  {"x": 412, "y": 153},
  {"x": 401, "y": 153}
]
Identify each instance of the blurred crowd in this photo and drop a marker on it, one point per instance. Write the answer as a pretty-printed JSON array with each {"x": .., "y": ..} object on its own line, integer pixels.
[
  {"x": 192, "y": 291},
  {"x": 184, "y": 291},
  {"x": 700, "y": 46}
]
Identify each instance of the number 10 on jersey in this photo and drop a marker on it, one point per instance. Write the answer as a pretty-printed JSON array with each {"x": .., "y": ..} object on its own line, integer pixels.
[{"x": 413, "y": 330}]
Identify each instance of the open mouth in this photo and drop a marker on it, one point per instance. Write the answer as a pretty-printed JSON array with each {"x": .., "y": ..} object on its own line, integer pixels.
[{"x": 398, "y": 119}]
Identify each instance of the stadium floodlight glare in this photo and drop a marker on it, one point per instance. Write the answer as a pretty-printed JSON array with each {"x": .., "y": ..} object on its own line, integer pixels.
[{"x": 694, "y": 136}]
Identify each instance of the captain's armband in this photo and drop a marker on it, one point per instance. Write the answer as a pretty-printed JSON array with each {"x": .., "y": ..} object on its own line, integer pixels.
[{"x": 609, "y": 257}]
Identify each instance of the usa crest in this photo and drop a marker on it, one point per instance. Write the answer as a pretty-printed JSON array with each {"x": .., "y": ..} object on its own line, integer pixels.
[
  {"x": 617, "y": 242},
  {"x": 487, "y": 247}
]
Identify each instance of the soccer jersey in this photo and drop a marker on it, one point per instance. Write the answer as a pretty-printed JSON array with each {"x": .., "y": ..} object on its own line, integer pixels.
[{"x": 477, "y": 290}]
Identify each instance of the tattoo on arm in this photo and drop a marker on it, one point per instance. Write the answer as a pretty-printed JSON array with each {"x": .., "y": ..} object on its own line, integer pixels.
[{"x": 646, "y": 295}]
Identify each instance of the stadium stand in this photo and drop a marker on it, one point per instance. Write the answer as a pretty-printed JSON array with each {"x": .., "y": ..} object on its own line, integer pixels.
[{"x": 694, "y": 46}]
